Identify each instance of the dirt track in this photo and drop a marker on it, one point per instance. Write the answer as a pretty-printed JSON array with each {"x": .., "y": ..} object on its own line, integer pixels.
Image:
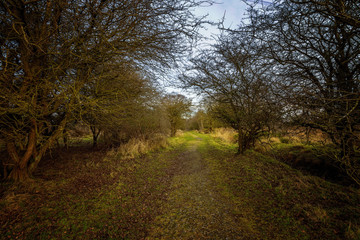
[{"x": 195, "y": 209}]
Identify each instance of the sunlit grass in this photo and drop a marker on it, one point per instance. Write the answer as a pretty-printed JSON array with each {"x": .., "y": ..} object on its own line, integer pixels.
[
  {"x": 99, "y": 195},
  {"x": 280, "y": 200}
]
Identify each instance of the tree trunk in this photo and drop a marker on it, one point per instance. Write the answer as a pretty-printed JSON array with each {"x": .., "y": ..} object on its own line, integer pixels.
[
  {"x": 173, "y": 131},
  {"x": 18, "y": 174},
  {"x": 20, "y": 171},
  {"x": 347, "y": 146},
  {"x": 240, "y": 141},
  {"x": 201, "y": 125},
  {"x": 65, "y": 139},
  {"x": 95, "y": 135},
  {"x": 307, "y": 135},
  {"x": 245, "y": 141},
  {"x": 95, "y": 141},
  {"x": 22, "y": 166}
]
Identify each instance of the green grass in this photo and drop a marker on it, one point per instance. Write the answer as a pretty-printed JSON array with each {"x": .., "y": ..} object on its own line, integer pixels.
[
  {"x": 89, "y": 196},
  {"x": 97, "y": 195},
  {"x": 281, "y": 201}
]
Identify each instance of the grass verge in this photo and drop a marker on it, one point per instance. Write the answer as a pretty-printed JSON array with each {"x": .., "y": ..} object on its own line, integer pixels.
[
  {"x": 279, "y": 202},
  {"x": 84, "y": 194}
]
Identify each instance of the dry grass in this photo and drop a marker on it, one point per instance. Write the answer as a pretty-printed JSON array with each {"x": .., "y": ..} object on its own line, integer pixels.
[
  {"x": 139, "y": 146},
  {"x": 179, "y": 133},
  {"x": 301, "y": 135},
  {"x": 293, "y": 137},
  {"x": 226, "y": 134}
]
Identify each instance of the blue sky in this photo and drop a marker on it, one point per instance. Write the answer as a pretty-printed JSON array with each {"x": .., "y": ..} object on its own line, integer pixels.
[{"x": 234, "y": 11}]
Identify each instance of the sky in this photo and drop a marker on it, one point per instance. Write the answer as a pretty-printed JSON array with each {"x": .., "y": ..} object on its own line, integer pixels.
[{"x": 234, "y": 11}]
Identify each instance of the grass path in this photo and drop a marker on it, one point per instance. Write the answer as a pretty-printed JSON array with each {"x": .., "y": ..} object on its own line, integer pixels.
[
  {"x": 196, "y": 188},
  {"x": 217, "y": 195},
  {"x": 195, "y": 209}
]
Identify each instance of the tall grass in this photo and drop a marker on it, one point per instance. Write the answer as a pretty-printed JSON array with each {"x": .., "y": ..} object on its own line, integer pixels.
[
  {"x": 226, "y": 134},
  {"x": 139, "y": 146}
]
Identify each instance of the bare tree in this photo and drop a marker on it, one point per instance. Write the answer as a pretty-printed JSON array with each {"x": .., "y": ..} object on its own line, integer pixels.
[
  {"x": 112, "y": 97},
  {"x": 315, "y": 49},
  {"x": 233, "y": 76},
  {"x": 176, "y": 107},
  {"x": 50, "y": 50}
]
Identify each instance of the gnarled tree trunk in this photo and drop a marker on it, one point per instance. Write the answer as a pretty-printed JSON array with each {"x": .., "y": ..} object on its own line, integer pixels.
[{"x": 20, "y": 171}]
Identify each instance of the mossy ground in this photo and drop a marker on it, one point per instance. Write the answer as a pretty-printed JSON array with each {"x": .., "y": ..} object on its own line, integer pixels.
[{"x": 197, "y": 188}]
